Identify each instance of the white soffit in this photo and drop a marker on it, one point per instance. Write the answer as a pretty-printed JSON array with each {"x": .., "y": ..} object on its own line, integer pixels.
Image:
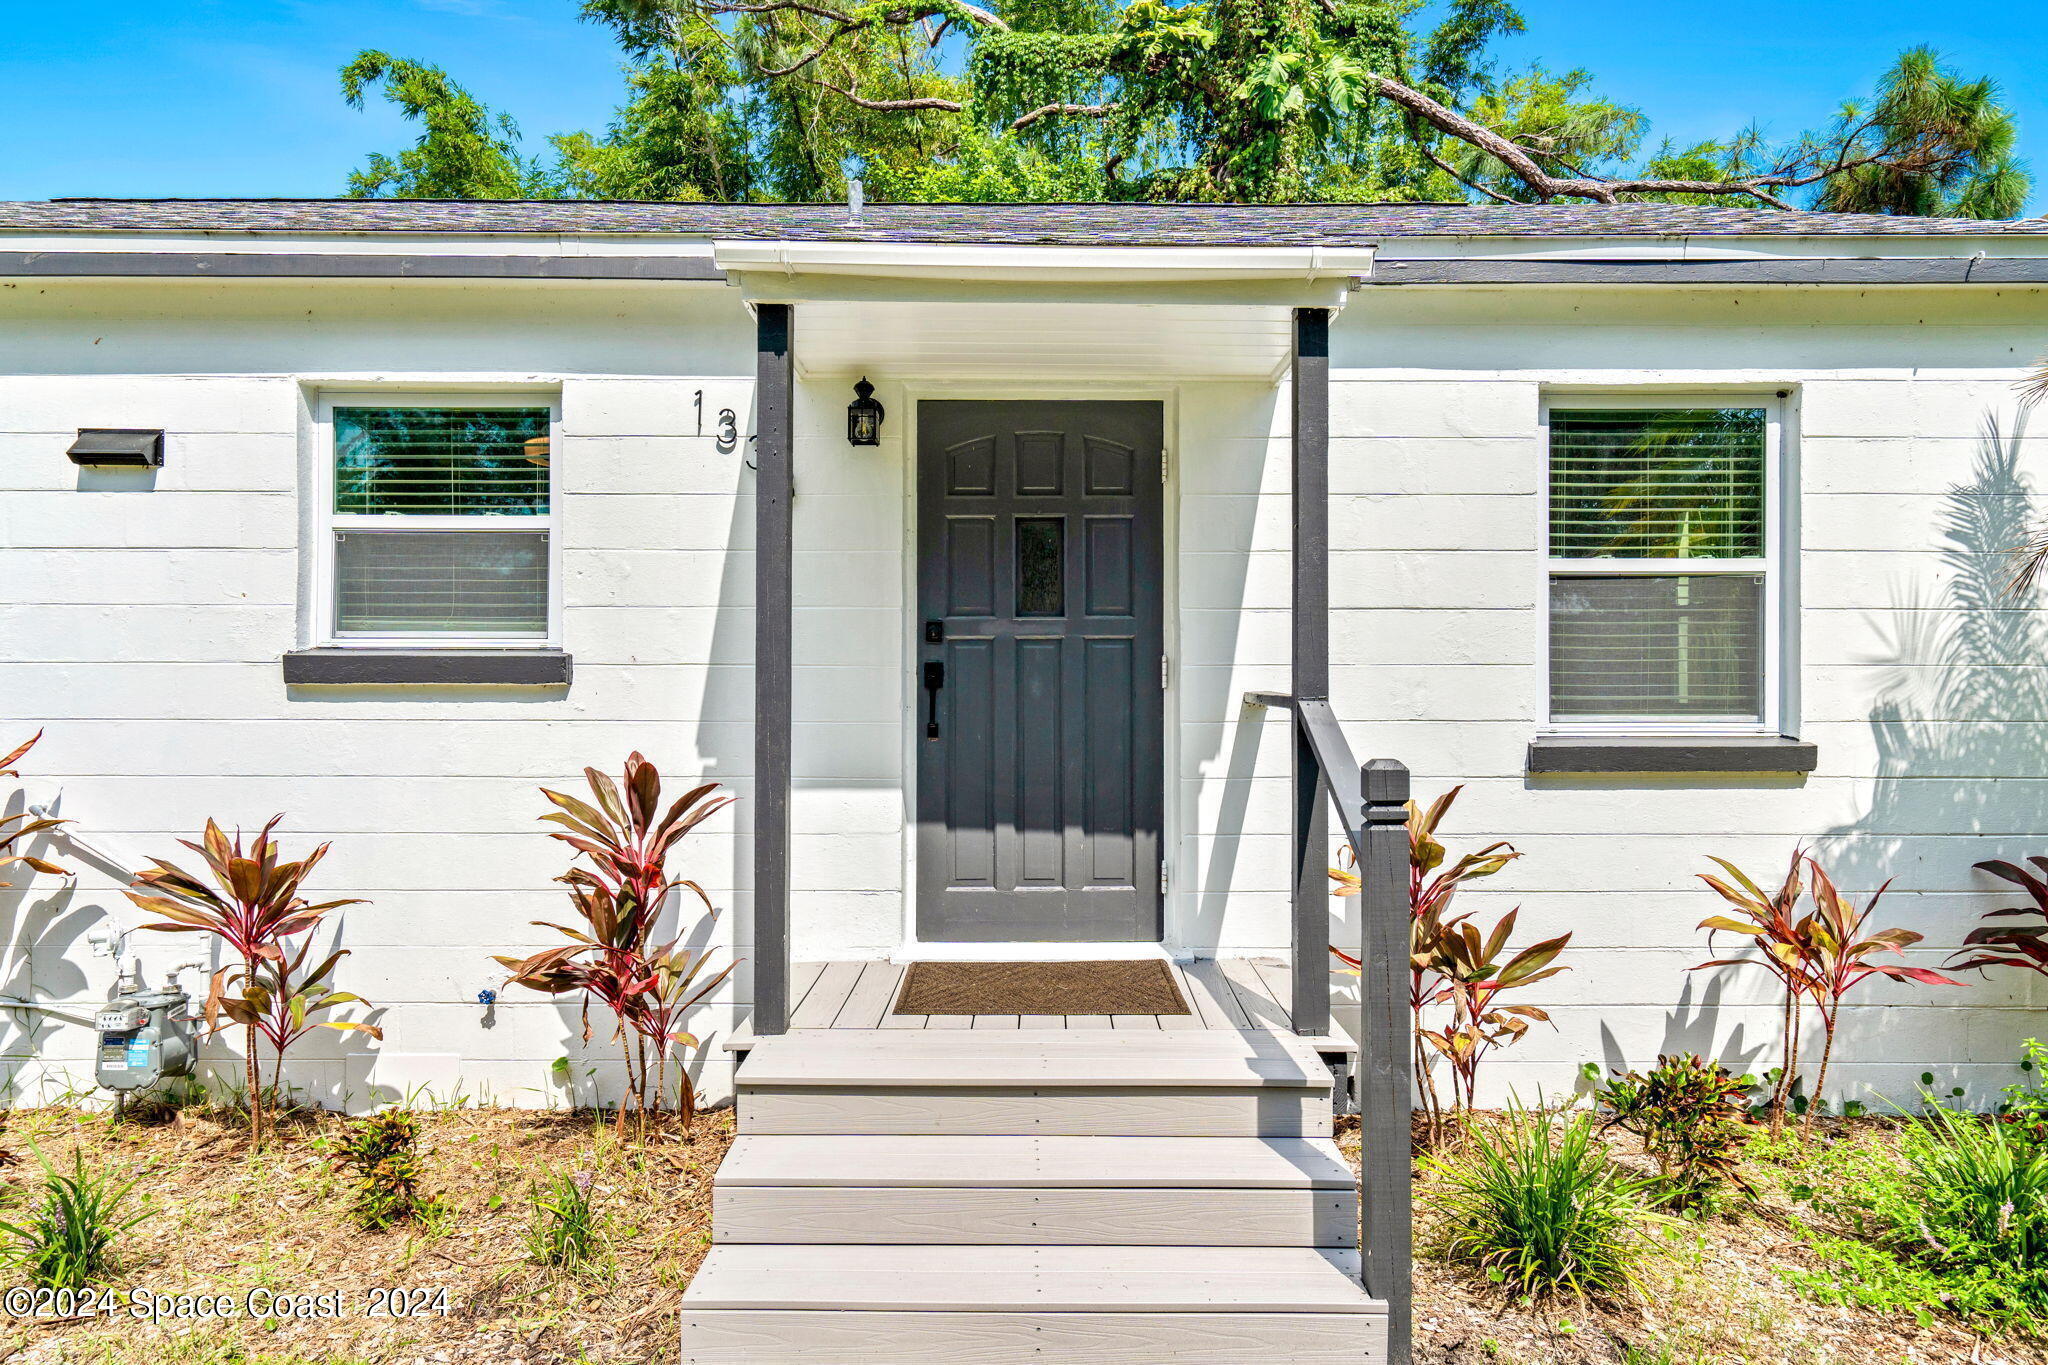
[
  {"x": 1023, "y": 341},
  {"x": 1026, "y": 312}
]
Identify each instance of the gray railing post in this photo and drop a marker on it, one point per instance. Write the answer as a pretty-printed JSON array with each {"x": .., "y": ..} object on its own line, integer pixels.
[
  {"x": 1311, "y": 1004},
  {"x": 774, "y": 540},
  {"x": 1310, "y": 616},
  {"x": 1384, "y": 1042}
]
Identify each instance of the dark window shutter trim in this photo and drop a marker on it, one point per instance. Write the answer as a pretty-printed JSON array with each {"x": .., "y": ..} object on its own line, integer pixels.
[
  {"x": 427, "y": 667},
  {"x": 1640, "y": 754}
]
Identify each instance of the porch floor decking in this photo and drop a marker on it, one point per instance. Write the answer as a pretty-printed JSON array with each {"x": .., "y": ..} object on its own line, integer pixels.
[{"x": 1226, "y": 993}]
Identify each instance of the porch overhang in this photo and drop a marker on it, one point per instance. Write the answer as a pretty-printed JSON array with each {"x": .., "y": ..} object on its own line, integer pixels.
[
  {"x": 795, "y": 271},
  {"x": 943, "y": 312}
]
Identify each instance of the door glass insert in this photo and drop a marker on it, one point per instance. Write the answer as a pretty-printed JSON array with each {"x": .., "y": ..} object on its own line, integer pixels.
[{"x": 1041, "y": 576}]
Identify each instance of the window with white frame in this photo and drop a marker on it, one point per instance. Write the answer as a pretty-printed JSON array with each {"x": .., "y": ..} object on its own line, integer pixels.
[
  {"x": 438, "y": 521},
  {"x": 1663, "y": 548}
]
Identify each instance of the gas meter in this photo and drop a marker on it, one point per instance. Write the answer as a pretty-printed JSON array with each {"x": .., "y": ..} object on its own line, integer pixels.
[{"x": 144, "y": 1037}]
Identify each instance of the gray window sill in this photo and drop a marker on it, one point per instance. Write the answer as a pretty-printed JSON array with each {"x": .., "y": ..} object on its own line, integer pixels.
[
  {"x": 1671, "y": 754},
  {"x": 338, "y": 667}
]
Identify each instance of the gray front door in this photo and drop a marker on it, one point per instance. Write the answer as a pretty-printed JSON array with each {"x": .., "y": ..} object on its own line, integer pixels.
[{"x": 1040, "y": 722}]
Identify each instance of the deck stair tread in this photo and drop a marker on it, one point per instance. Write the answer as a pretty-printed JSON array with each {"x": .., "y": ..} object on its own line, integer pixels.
[
  {"x": 997, "y": 1279},
  {"x": 1017, "y": 1190},
  {"x": 1029, "y": 1162},
  {"x": 1063, "y": 1059}
]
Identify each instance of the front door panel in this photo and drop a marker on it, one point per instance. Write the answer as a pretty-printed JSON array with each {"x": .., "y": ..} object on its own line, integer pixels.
[{"x": 1039, "y": 777}]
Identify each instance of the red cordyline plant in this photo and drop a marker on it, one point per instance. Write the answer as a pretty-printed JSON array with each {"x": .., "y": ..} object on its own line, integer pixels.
[
  {"x": 252, "y": 906},
  {"x": 15, "y": 828},
  {"x": 664, "y": 1010},
  {"x": 1817, "y": 958},
  {"x": 1770, "y": 919},
  {"x": 1447, "y": 968},
  {"x": 625, "y": 838},
  {"x": 603, "y": 965},
  {"x": 2011, "y": 945},
  {"x": 280, "y": 997},
  {"x": 1845, "y": 953},
  {"x": 1476, "y": 971}
]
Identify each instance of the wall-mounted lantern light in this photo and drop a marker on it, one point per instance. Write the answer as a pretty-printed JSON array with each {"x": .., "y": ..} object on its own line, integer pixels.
[
  {"x": 864, "y": 416},
  {"x": 127, "y": 449}
]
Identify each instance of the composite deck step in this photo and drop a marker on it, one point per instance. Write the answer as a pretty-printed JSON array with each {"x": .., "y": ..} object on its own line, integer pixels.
[
  {"x": 1061, "y": 1058},
  {"x": 1002, "y": 1304},
  {"x": 916, "y": 1161},
  {"x": 932, "y": 1279},
  {"x": 1116, "y": 1191},
  {"x": 1111, "y": 1083},
  {"x": 1009, "y": 1195}
]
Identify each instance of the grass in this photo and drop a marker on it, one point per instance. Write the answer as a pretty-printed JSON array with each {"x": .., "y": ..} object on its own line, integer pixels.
[
  {"x": 565, "y": 1231},
  {"x": 1953, "y": 1221},
  {"x": 68, "y": 1241},
  {"x": 1541, "y": 1209}
]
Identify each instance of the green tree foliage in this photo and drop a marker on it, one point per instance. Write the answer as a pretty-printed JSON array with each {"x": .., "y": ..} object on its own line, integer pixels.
[
  {"x": 464, "y": 150},
  {"x": 1252, "y": 100},
  {"x": 1965, "y": 136},
  {"x": 682, "y": 132}
]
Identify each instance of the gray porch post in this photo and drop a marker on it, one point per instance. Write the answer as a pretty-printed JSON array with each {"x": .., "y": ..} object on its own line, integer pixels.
[
  {"x": 1387, "y": 1234},
  {"x": 1311, "y": 626},
  {"x": 774, "y": 498}
]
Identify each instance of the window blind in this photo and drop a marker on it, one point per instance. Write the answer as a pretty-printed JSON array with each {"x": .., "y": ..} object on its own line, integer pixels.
[
  {"x": 1687, "y": 645},
  {"x": 486, "y": 583},
  {"x": 1676, "y": 483},
  {"x": 441, "y": 461}
]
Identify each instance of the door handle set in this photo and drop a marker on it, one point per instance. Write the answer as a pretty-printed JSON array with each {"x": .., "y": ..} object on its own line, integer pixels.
[{"x": 934, "y": 679}]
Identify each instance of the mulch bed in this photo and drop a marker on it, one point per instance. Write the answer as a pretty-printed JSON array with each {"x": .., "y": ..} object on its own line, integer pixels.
[
  {"x": 227, "y": 1222},
  {"x": 1714, "y": 1295}
]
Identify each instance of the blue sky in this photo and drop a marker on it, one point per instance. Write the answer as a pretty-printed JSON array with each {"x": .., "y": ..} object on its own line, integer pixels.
[{"x": 238, "y": 97}]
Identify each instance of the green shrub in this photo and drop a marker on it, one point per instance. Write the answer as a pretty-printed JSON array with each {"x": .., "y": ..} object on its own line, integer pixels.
[
  {"x": 69, "y": 1242},
  {"x": 1856, "y": 1274},
  {"x": 2025, "y": 1106},
  {"x": 381, "y": 1153},
  {"x": 1689, "y": 1113},
  {"x": 1958, "y": 1224},
  {"x": 1542, "y": 1210},
  {"x": 564, "y": 1229},
  {"x": 1976, "y": 1194}
]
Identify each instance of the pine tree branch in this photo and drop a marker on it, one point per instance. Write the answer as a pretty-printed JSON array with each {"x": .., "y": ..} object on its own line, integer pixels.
[
  {"x": 778, "y": 7},
  {"x": 820, "y": 50},
  {"x": 903, "y": 106},
  {"x": 1803, "y": 167},
  {"x": 1473, "y": 185},
  {"x": 907, "y": 14},
  {"x": 1050, "y": 110},
  {"x": 1601, "y": 189}
]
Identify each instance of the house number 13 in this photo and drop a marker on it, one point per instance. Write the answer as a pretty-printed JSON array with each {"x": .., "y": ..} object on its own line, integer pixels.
[{"x": 728, "y": 439}]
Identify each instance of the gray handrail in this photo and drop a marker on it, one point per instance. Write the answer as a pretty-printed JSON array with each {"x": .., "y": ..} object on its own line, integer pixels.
[{"x": 1371, "y": 802}]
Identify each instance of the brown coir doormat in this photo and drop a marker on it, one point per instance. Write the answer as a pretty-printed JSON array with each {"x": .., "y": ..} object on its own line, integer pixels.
[{"x": 1144, "y": 987}]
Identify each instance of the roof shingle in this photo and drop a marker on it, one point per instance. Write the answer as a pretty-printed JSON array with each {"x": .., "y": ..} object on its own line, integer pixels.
[{"x": 1138, "y": 224}]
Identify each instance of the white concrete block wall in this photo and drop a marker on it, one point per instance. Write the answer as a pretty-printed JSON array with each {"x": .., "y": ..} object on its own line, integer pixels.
[
  {"x": 141, "y": 620},
  {"x": 1923, "y": 686},
  {"x": 1229, "y": 501}
]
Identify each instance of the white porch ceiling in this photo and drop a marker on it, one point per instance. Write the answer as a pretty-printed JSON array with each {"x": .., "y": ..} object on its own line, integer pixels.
[{"x": 1067, "y": 340}]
